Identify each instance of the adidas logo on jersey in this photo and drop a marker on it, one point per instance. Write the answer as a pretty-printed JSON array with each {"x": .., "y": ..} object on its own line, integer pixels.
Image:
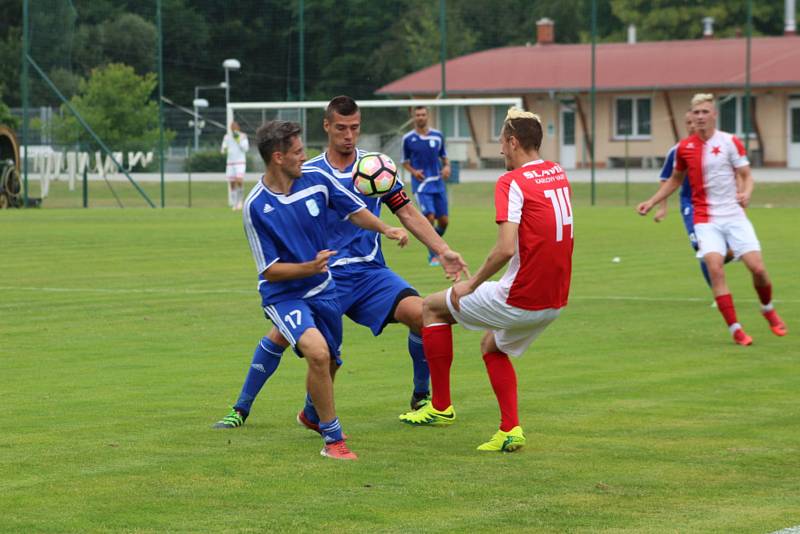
[{"x": 268, "y": 208}]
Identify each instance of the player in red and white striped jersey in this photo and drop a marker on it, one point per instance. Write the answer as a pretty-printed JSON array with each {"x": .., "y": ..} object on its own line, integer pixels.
[
  {"x": 719, "y": 174},
  {"x": 535, "y": 239}
]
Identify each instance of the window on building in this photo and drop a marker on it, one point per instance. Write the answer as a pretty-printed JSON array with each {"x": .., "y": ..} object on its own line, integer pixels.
[
  {"x": 732, "y": 117},
  {"x": 453, "y": 122},
  {"x": 498, "y": 117},
  {"x": 632, "y": 117}
]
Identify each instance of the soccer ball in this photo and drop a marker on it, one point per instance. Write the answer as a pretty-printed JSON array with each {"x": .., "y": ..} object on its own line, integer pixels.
[{"x": 374, "y": 174}]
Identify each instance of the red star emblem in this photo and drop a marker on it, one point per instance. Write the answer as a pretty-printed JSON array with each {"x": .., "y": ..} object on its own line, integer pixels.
[{"x": 715, "y": 150}]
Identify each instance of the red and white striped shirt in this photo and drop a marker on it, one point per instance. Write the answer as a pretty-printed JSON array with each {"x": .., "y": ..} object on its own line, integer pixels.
[
  {"x": 537, "y": 197},
  {"x": 711, "y": 167}
]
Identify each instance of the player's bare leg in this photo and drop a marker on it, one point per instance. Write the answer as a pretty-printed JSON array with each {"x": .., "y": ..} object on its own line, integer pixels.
[
  {"x": 755, "y": 264},
  {"x": 716, "y": 271},
  {"x": 319, "y": 384}
]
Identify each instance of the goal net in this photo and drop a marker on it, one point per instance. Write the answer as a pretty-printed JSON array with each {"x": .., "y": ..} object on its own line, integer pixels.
[{"x": 470, "y": 125}]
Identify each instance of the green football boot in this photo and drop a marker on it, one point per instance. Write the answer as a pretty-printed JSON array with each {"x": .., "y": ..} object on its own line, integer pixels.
[{"x": 505, "y": 441}]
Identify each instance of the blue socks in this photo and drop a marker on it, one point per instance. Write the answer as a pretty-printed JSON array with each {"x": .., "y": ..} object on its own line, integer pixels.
[
  {"x": 331, "y": 431},
  {"x": 266, "y": 359},
  {"x": 422, "y": 374}
]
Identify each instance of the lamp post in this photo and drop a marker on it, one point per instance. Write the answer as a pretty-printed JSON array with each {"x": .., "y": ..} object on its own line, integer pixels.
[
  {"x": 197, "y": 88},
  {"x": 197, "y": 103},
  {"x": 229, "y": 65}
]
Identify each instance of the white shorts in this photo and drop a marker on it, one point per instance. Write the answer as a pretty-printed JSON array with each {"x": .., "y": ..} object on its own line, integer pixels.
[
  {"x": 234, "y": 170},
  {"x": 737, "y": 234},
  {"x": 514, "y": 329}
]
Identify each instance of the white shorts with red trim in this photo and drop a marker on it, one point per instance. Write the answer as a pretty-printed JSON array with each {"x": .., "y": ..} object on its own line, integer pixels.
[
  {"x": 718, "y": 236},
  {"x": 514, "y": 329},
  {"x": 234, "y": 170}
]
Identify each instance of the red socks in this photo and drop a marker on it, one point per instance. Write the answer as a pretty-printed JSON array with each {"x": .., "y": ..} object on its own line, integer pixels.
[
  {"x": 764, "y": 293},
  {"x": 504, "y": 383},
  {"x": 437, "y": 340},
  {"x": 725, "y": 307}
]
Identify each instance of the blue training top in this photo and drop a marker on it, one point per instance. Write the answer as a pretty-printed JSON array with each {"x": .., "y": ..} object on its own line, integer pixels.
[
  {"x": 666, "y": 172},
  {"x": 293, "y": 228},
  {"x": 354, "y": 245},
  {"x": 425, "y": 152}
]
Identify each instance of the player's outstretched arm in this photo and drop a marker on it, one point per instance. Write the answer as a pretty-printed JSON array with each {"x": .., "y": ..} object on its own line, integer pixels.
[
  {"x": 452, "y": 262},
  {"x": 364, "y": 218},
  {"x": 279, "y": 271},
  {"x": 667, "y": 188}
]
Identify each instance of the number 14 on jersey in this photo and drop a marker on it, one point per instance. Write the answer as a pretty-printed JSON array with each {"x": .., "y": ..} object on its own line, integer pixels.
[{"x": 562, "y": 210}]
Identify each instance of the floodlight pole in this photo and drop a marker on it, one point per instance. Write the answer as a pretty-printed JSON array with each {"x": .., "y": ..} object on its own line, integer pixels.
[
  {"x": 593, "y": 95},
  {"x": 160, "y": 99},
  {"x": 443, "y": 38},
  {"x": 228, "y": 65},
  {"x": 25, "y": 101},
  {"x": 747, "y": 109}
]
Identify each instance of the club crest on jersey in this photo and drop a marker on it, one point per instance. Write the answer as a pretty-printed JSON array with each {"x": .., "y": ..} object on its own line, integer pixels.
[
  {"x": 432, "y": 143},
  {"x": 312, "y": 206}
]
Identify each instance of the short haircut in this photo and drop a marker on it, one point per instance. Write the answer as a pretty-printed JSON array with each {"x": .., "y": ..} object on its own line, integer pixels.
[
  {"x": 276, "y": 136},
  {"x": 525, "y": 127},
  {"x": 420, "y": 107},
  {"x": 699, "y": 98},
  {"x": 343, "y": 105}
]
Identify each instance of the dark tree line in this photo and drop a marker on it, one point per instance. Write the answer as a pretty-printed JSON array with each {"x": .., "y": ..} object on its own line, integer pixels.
[{"x": 351, "y": 46}]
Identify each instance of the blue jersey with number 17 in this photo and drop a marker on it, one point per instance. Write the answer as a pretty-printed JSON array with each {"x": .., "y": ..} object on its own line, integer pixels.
[
  {"x": 293, "y": 228},
  {"x": 355, "y": 246}
]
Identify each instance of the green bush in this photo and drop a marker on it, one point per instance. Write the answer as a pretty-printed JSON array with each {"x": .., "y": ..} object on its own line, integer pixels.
[{"x": 205, "y": 161}]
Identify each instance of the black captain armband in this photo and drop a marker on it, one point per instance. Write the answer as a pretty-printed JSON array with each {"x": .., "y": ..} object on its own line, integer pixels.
[{"x": 396, "y": 200}]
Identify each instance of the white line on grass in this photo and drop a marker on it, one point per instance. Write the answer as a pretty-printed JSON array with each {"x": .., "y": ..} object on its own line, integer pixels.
[
  {"x": 190, "y": 291},
  {"x": 790, "y": 530}
]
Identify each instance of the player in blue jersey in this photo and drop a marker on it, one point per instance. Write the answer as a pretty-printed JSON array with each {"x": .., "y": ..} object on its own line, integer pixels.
[
  {"x": 425, "y": 157},
  {"x": 368, "y": 291},
  {"x": 687, "y": 208},
  {"x": 286, "y": 219}
]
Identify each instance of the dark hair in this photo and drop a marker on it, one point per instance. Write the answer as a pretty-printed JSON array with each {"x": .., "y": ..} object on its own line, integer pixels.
[
  {"x": 420, "y": 107},
  {"x": 528, "y": 131},
  {"x": 343, "y": 105},
  {"x": 276, "y": 136}
]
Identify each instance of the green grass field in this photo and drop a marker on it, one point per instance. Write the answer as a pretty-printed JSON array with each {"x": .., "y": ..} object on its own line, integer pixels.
[{"x": 124, "y": 334}]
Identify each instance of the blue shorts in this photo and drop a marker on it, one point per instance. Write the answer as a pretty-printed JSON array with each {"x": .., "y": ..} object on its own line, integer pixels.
[
  {"x": 369, "y": 293},
  {"x": 433, "y": 203},
  {"x": 687, "y": 212},
  {"x": 294, "y": 317}
]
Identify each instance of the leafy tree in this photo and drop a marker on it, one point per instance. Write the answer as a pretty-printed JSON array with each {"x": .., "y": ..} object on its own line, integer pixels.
[
  {"x": 117, "y": 104},
  {"x": 131, "y": 40},
  {"x": 6, "y": 118}
]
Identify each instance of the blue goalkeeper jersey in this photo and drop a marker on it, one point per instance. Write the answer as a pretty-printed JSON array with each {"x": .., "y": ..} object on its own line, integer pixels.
[
  {"x": 425, "y": 151},
  {"x": 293, "y": 228},
  {"x": 354, "y": 245},
  {"x": 666, "y": 172}
]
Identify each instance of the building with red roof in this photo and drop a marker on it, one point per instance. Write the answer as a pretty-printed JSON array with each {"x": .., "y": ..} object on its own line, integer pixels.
[{"x": 642, "y": 91}]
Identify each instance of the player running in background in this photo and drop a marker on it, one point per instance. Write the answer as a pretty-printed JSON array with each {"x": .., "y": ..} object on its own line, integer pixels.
[
  {"x": 719, "y": 173},
  {"x": 286, "y": 223},
  {"x": 235, "y": 145},
  {"x": 687, "y": 210},
  {"x": 368, "y": 291},
  {"x": 535, "y": 239},
  {"x": 424, "y": 156}
]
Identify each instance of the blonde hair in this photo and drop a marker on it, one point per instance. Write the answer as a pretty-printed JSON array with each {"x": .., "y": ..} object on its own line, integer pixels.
[
  {"x": 515, "y": 113},
  {"x": 525, "y": 126},
  {"x": 699, "y": 98}
]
